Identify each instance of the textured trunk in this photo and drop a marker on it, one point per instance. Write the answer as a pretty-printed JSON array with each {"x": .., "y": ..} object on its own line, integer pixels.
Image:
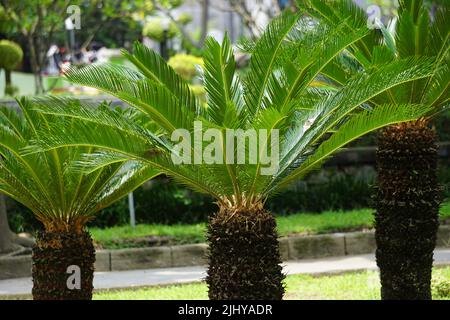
[
  {"x": 244, "y": 258},
  {"x": 407, "y": 203},
  {"x": 35, "y": 67},
  {"x": 54, "y": 277},
  {"x": 6, "y": 240}
]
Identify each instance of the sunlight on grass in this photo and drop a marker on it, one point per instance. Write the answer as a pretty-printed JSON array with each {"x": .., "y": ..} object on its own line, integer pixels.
[
  {"x": 350, "y": 286},
  {"x": 329, "y": 221},
  {"x": 192, "y": 233}
]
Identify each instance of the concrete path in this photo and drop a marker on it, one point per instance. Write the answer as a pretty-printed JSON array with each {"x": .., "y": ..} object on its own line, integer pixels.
[{"x": 150, "y": 277}]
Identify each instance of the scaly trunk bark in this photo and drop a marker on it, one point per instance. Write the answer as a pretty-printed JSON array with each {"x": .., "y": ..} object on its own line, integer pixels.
[
  {"x": 52, "y": 256},
  {"x": 407, "y": 203},
  {"x": 244, "y": 258}
]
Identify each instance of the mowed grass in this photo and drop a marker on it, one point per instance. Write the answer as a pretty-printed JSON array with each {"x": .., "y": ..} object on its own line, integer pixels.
[
  {"x": 301, "y": 223},
  {"x": 349, "y": 286}
]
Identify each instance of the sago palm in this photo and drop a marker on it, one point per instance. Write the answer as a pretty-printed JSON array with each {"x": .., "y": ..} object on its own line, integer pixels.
[
  {"x": 407, "y": 196},
  {"x": 62, "y": 197},
  {"x": 295, "y": 127}
]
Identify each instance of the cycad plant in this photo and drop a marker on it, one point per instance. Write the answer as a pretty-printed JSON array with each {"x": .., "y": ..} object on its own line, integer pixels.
[
  {"x": 61, "y": 196},
  {"x": 256, "y": 135},
  {"x": 407, "y": 196}
]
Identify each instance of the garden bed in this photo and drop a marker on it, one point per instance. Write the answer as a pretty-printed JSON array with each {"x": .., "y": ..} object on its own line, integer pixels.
[
  {"x": 295, "y": 247},
  {"x": 148, "y": 235}
]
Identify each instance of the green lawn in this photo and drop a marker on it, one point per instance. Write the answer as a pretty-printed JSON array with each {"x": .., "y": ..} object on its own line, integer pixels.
[
  {"x": 350, "y": 286},
  {"x": 301, "y": 223}
]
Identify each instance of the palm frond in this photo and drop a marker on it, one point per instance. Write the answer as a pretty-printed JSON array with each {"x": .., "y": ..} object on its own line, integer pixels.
[
  {"x": 132, "y": 175},
  {"x": 154, "y": 68},
  {"x": 151, "y": 98},
  {"x": 356, "y": 127},
  {"x": 318, "y": 48}
]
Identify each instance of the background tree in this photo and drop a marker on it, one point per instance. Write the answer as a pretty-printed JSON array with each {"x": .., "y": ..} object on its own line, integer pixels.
[
  {"x": 40, "y": 23},
  {"x": 166, "y": 7},
  {"x": 255, "y": 14},
  {"x": 244, "y": 260}
]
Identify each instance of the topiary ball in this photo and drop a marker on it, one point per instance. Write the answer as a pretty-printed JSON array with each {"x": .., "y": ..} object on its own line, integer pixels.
[
  {"x": 154, "y": 30},
  {"x": 11, "y": 54},
  {"x": 184, "y": 18}
]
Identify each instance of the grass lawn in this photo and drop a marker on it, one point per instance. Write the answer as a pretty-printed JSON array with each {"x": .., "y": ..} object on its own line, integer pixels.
[
  {"x": 301, "y": 223},
  {"x": 350, "y": 286}
]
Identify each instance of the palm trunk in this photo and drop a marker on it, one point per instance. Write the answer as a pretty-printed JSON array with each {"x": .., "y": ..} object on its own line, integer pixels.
[
  {"x": 53, "y": 254},
  {"x": 244, "y": 258},
  {"x": 407, "y": 204}
]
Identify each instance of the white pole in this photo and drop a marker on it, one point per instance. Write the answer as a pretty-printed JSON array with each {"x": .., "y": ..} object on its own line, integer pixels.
[{"x": 131, "y": 209}]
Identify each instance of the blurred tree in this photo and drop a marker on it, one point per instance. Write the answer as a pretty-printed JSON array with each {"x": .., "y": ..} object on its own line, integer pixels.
[
  {"x": 166, "y": 8},
  {"x": 39, "y": 22},
  {"x": 255, "y": 14}
]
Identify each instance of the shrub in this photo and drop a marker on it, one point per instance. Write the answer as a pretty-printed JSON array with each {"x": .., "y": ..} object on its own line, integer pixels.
[
  {"x": 154, "y": 30},
  {"x": 329, "y": 189},
  {"x": 199, "y": 91},
  {"x": 11, "y": 90},
  {"x": 184, "y": 18},
  {"x": 185, "y": 65},
  {"x": 159, "y": 201}
]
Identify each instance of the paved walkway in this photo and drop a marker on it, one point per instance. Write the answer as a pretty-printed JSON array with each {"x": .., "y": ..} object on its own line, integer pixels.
[{"x": 150, "y": 277}]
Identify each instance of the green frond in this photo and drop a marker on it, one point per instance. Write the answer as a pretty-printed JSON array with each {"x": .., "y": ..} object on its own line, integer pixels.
[
  {"x": 321, "y": 85},
  {"x": 70, "y": 133},
  {"x": 356, "y": 127},
  {"x": 364, "y": 87},
  {"x": 335, "y": 12},
  {"x": 263, "y": 60},
  {"x": 438, "y": 94},
  {"x": 151, "y": 98},
  {"x": 131, "y": 176},
  {"x": 155, "y": 68},
  {"x": 317, "y": 49},
  {"x": 45, "y": 180}
]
